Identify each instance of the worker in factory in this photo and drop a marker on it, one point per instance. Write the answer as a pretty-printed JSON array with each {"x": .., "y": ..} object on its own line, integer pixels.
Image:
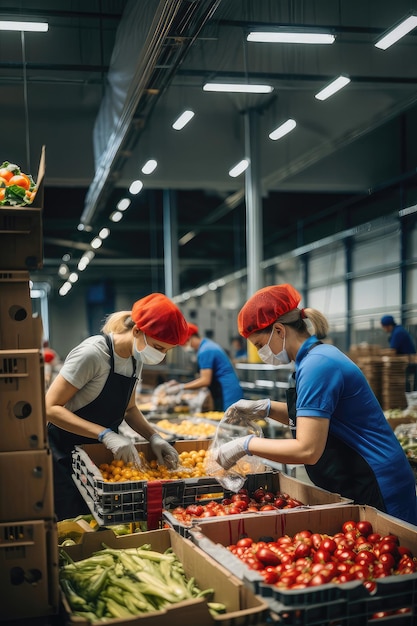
[
  {"x": 95, "y": 390},
  {"x": 339, "y": 430},
  {"x": 216, "y": 371},
  {"x": 399, "y": 338}
]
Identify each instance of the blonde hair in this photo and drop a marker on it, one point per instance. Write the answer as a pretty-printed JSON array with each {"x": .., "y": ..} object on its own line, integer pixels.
[
  {"x": 315, "y": 318},
  {"x": 119, "y": 322}
]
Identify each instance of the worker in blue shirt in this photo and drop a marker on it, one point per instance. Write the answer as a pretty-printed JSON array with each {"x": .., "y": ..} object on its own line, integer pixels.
[
  {"x": 215, "y": 372},
  {"x": 340, "y": 433},
  {"x": 399, "y": 338}
]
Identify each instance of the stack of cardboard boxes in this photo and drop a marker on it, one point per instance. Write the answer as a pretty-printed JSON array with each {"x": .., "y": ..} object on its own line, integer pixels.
[{"x": 28, "y": 536}]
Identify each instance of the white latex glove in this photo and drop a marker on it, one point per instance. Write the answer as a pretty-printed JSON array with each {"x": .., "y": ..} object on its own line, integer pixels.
[
  {"x": 164, "y": 452},
  {"x": 122, "y": 447},
  {"x": 228, "y": 454},
  {"x": 257, "y": 409},
  {"x": 173, "y": 390}
]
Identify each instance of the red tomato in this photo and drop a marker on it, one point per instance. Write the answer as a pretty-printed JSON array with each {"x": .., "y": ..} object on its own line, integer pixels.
[
  {"x": 194, "y": 509},
  {"x": 328, "y": 544},
  {"x": 364, "y": 527},
  {"x": 244, "y": 542},
  {"x": 267, "y": 557},
  {"x": 21, "y": 180},
  {"x": 348, "y": 526},
  {"x": 267, "y": 507}
]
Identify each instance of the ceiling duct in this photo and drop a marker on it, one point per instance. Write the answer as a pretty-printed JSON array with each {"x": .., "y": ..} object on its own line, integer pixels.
[{"x": 152, "y": 40}]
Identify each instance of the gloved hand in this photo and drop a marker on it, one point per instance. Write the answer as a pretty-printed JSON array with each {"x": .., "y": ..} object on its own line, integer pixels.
[
  {"x": 164, "y": 452},
  {"x": 122, "y": 447},
  {"x": 228, "y": 454},
  {"x": 173, "y": 390},
  {"x": 257, "y": 409}
]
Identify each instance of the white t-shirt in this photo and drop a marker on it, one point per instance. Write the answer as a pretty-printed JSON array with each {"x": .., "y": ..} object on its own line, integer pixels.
[{"x": 87, "y": 367}]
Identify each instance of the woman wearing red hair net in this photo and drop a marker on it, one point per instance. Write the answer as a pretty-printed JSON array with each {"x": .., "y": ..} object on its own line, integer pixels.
[
  {"x": 95, "y": 390},
  {"x": 339, "y": 430}
]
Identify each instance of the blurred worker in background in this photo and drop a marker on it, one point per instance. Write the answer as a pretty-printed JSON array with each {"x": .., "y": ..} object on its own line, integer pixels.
[
  {"x": 215, "y": 372},
  {"x": 239, "y": 353},
  {"x": 95, "y": 390},
  {"x": 399, "y": 338},
  {"x": 340, "y": 432}
]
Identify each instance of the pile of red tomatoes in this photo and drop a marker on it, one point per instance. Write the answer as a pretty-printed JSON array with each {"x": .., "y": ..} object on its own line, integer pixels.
[
  {"x": 308, "y": 559},
  {"x": 241, "y": 502}
]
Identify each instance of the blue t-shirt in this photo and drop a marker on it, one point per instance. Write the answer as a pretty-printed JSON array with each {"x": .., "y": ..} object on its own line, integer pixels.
[
  {"x": 401, "y": 341},
  {"x": 212, "y": 356},
  {"x": 363, "y": 459}
]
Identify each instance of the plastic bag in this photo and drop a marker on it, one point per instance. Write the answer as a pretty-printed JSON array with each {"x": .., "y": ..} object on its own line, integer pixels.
[{"x": 230, "y": 427}]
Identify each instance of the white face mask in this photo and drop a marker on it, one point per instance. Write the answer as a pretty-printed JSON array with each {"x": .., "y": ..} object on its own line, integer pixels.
[
  {"x": 149, "y": 355},
  {"x": 270, "y": 358}
]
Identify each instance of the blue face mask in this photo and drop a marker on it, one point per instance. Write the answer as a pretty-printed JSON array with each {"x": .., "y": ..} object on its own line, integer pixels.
[
  {"x": 268, "y": 357},
  {"x": 149, "y": 355}
]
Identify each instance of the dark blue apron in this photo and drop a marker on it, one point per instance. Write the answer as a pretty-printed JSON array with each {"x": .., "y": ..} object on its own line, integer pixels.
[
  {"x": 108, "y": 409},
  {"x": 340, "y": 469}
]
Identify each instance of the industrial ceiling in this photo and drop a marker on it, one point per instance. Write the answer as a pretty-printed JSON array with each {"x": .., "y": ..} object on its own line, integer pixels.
[{"x": 103, "y": 86}]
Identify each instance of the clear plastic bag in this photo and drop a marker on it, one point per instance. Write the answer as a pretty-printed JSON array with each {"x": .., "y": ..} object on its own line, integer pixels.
[{"x": 231, "y": 426}]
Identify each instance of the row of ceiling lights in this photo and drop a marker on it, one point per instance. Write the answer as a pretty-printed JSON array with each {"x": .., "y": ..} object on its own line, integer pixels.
[
  {"x": 298, "y": 35},
  {"x": 278, "y": 35}
]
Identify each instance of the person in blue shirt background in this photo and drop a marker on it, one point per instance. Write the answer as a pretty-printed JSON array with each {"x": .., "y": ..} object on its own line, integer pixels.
[
  {"x": 216, "y": 372},
  {"x": 399, "y": 338},
  {"x": 339, "y": 431}
]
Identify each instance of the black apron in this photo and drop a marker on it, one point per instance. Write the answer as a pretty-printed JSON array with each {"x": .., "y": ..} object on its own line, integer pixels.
[
  {"x": 108, "y": 409},
  {"x": 340, "y": 469}
]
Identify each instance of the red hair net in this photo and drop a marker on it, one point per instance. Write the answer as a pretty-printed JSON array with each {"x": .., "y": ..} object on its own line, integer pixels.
[
  {"x": 48, "y": 355},
  {"x": 192, "y": 329},
  {"x": 159, "y": 318},
  {"x": 265, "y": 307}
]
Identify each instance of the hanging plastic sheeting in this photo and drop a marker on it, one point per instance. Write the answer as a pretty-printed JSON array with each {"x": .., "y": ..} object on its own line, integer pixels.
[
  {"x": 131, "y": 35},
  {"x": 152, "y": 40}
]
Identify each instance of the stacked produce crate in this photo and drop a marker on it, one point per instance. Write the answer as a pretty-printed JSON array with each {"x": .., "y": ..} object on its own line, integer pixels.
[{"x": 28, "y": 537}]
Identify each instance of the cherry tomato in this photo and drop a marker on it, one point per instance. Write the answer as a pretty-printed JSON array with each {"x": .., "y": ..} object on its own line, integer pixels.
[
  {"x": 244, "y": 542},
  {"x": 364, "y": 527},
  {"x": 5, "y": 173}
]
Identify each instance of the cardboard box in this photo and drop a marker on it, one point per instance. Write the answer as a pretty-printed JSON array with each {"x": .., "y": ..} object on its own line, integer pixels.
[
  {"x": 22, "y": 400},
  {"x": 243, "y": 607},
  {"x": 28, "y": 570},
  {"x": 393, "y": 592},
  {"x": 309, "y": 495},
  {"x": 21, "y": 240},
  {"x": 26, "y": 486},
  {"x": 136, "y": 501},
  {"x": 17, "y": 326}
]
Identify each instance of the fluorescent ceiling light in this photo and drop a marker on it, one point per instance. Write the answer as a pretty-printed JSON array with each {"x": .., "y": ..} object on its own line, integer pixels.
[
  {"x": 149, "y": 166},
  {"x": 104, "y": 233},
  {"x": 65, "y": 288},
  {"x": 37, "y": 27},
  {"x": 186, "y": 238},
  {"x": 239, "y": 168},
  {"x": 333, "y": 87},
  {"x": 397, "y": 32},
  {"x": 73, "y": 277},
  {"x": 123, "y": 204},
  {"x": 116, "y": 216},
  {"x": 135, "y": 187},
  {"x": 237, "y": 88},
  {"x": 63, "y": 269},
  {"x": 282, "y": 130},
  {"x": 96, "y": 243},
  {"x": 183, "y": 119},
  {"x": 291, "y": 35}
]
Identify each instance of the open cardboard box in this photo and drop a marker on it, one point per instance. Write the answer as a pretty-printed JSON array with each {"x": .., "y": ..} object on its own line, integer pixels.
[
  {"x": 21, "y": 235},
  {"x": 243, "y": 607},
  {"x": 400, "y": 591},
  {"x": 309, "y": 495}
]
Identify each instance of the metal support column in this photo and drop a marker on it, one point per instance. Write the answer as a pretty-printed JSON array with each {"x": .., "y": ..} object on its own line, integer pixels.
[
  {"x": 254, "y": 248},
  {"x": 170, "y": 243}
]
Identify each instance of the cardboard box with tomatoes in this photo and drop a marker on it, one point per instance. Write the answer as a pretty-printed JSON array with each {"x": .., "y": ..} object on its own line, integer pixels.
[
  {"x": 358, "y": 600},
  {"x": 263, "y": 493},
  {"x": 21, "y": 244}
]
